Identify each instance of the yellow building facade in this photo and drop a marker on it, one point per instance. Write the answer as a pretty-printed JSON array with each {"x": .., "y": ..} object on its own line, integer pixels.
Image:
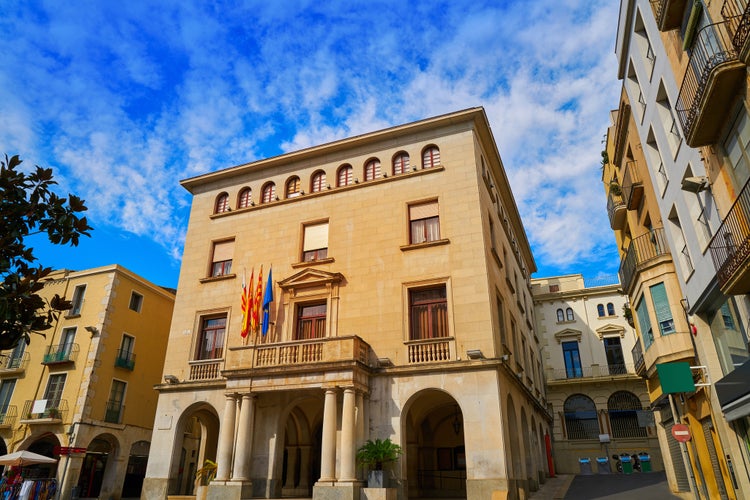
[
  {"x": 88, "y": 384},
  {"x": 401, "y": 309}
]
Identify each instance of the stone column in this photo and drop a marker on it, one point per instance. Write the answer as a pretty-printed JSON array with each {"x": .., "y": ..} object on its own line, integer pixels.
[
  {"x": 244, "y": 443},
  {"x": 348, "y": 427},
  {"x": 328, "y": 445},
  {"x": 360, "y": 415},
  {"x": 226, "y": 440}
]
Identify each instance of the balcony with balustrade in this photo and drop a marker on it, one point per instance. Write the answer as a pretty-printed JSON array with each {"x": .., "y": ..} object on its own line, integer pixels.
[
  {"x": 632, "y": 185},
  {"x": 710, "y": 84},
  {"x": 125, "y": 359},
  {"x": 616, "y": 209},
  {"x": 44, "y": 411},
  {"x": 668, "y": 13},
  {"x": 60, "y": 354},
  {"x": 643, "y": 251},
  {"x": 13, "y": 365},
  {"x": 730, "y": 247}
]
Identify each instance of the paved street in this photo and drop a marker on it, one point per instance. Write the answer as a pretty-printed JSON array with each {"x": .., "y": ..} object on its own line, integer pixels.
[{"x": 649, "y": 486}]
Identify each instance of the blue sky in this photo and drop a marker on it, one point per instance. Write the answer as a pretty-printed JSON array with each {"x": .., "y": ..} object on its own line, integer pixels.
[{"x": 125, "y": 99}]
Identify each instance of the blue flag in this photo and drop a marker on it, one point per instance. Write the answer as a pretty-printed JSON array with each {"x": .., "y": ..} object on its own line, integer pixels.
[{"x": 267, "y": 299}]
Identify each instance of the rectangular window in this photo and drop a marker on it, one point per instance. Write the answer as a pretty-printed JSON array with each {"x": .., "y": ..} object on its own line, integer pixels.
[
  {"x": 211, "y": 341},
  {"x": 77, "y": 300},
  {"x": 501, "y": 325},
  {"x": 311, "y": 321},
  {"x": 113, "y": 414},
  {"x": 572, "y": 359},
  {"x": 65, "y": 347},
  {"x": 645, "y": 323},
  {"x": 221, "y": 261},
  {"x": 16, "y": 356},
  {"x": 424, "y": 223},
  {"x": 6, "y": 392},
  {"x": 136, "y": 301},
  {"x": 315, "y": 242},
  {"x": 54, "y": 391},
  {"x": 125, "y": 357},
  {"x": 428, "y": 313},
  {"x": 615, "y": 358},
  {"x": 662, "y": 309},
  {"x": 554, "y": 288}
]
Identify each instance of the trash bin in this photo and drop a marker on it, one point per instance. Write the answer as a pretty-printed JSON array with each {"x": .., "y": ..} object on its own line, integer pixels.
[
  {"x": 627, "y": 464},
  {"x": 645, "y": 459},
  {"x": 602, "y": 465},
  {"x": 585, "y": 464}
]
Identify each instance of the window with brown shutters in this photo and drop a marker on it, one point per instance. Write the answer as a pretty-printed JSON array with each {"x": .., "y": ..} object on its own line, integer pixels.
[
  {"x": 222, "y": 203},
  {"x": 345, "y": 175},
  {"x": 428, "y": 313},
  {"x": 430, "y": 157},
  {"x": 372, "y": 169},
  {"x": 400, "y": 163},
  {"x": 318, "y": 181},
  {"x": 311, "y": 321},
  {"x": 245, "y": 198},
  {"x": 221, "y": 261},
  {"x": 424, "y": 222},
  {"x": 292, "y": 187},
  {"x": 269, "y": 193}
]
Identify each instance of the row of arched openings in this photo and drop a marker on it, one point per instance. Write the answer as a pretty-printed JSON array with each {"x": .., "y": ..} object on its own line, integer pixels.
[
  {"x": 582, "y": 418},
  {"x": 371, "y": 170}
]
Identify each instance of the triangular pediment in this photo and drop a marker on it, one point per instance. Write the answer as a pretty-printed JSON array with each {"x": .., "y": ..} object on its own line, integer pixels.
[
  {"x": 568, "y": 334},
  {"x": 310, "y": 278},
  {"x": 610, "y": 330}
]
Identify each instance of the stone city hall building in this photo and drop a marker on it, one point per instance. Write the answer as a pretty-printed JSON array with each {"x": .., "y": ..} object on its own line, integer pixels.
[{"x": 401, "y": 309}]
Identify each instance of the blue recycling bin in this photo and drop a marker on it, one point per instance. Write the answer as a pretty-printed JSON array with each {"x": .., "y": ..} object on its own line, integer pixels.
[
  {"x": 645, "y": 459},
  {"x": 602, "y": 465},
  {"x": 627, "y": 464},
  {"x": 585, "y": 464}
]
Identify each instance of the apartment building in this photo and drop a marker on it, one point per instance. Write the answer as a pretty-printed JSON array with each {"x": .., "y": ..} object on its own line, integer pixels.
[
  {"x": 599, "y": 402},
  {"x": 84, "y": 394},
  {"x": 399, "y": 307},
  {"x": 684, "y": 74}
]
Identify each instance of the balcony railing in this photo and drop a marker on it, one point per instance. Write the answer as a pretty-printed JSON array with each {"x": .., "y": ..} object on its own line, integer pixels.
[
  {"x": 114, "y": 411},
  {"x": 13, "y": 364},
  {"x": 58, "y": 354},
  {"x": 8, "y": 416},
  {"x": 730, "y": 247},
  {"x": 591, "y": 372},
  {"x": 44, "y": 411},
  {"x": 205, "y": 369},
  {"x": 642, "y": 250},
  {"x": 430, "y": 351},
  {"x": 632, "y": 186},
  {"x": 708, "y": 88},
  {"x": 616, "y": 210},
  {"x": 739, "y": 27},
  {"x": 298, "y": 353},
  {"x": 125, "y": 359},
  {"x": 638, "y": 362},
  {"x": 668, "y": 13}
]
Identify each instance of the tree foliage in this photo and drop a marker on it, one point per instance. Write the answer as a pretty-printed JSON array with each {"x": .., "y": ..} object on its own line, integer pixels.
[{"x": 28, "y": 206}]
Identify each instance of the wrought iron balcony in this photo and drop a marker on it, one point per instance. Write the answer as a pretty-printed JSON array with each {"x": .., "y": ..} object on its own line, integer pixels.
[
  {"x": 8, "y": 416},
  {"x": 642, "y": 250},
  {"x": 709, "y": 86},
  {"x": 639, "y": 363},
  {"x": 114, "y": 411},
  {"x": 730, "y": 247},
  {"x": 616, "y": 209},
  {"x": 632, "y": 185},
  {"x": 125, "y": 359},
  {"x": 60, "y": 354},
  {"x": 739, "y": 27},
  {"x": 668, "y": 13},
  {"x": 44, "y": 411},
  {"x": 10, "y": 364}
]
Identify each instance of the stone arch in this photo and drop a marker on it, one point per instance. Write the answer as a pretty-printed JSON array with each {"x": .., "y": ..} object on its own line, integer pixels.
[
  {"x": 99, "y": 465},
  {"x": 527, "y": 452},
  {"x": 300, "y": 427},
  {"x": 196, "y": 440},
  {"x": 135, "y": 471},
  {"x": 515, "y": 465},
  {"x": 43, "y": 444}
]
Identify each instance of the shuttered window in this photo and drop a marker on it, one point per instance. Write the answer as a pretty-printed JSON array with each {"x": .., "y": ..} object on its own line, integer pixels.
[
  {"x": 245, "y": 198},
  {"x": 645, "y": 323},
  {"x": 222, "y": 203},
  {"x": 428, "y": 313},
  {"x": 269, "y": 193},
  {"x": 424, "y": 222},
  {"x": 662, "y": 309},
  {"x": 318, "y": 182},
  {"x": 372, "y": 170},
  {"x": 400, "y": 163},
  {"x": 345, "y": 176},
  {"x": 315, "y": 244},
  {"x": 430, "y": 157},
  {"x": 221, "y": 262}
]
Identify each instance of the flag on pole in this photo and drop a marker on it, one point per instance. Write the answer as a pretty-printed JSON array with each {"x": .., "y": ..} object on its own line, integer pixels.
[
  {"x": 247, "y": 304},
  {"x": 255, "y": 316},
  {"x": 267, "y": 299}
]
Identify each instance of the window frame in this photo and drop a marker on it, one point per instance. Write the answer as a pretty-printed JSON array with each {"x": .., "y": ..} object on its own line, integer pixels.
[
  {"x": 319, "y": 322},
  {"x": 400, "y": 163},
  {"x": 572, "y": 359},
  {"x": 581, "y": 422},
  {"x": 218, "y": 341},
  {"x": 245, "y": 198},
  {"x": 138, "y": 298},
  {"x": 317, "y": 253},
  {"x": 569, "y": 314},
  {"x": 433, "y": 307},
  {"x": 223, "y": 267},
  {"x": 427, "y": 225},
  {"x": 318, "y": 181},
  {"x": 221, "y": 205},
  {"x": 79, "y": 295},
  {"x": 268, "y": 192},
  {"x": 560, "y": 315},
  {"x": 372, "y": 169},
  {"x": 348, "y": 175},
  {"x": 434, "y": 159}
]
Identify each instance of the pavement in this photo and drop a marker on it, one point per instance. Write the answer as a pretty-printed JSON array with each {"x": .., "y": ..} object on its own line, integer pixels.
[{"x": 641, "y": 486}]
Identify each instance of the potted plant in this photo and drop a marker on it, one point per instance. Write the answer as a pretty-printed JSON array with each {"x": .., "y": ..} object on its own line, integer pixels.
[
  {"x": 628, "y": 313},
  {"x": 203, "y": 477},
  {"x": 374, "y": 454}
]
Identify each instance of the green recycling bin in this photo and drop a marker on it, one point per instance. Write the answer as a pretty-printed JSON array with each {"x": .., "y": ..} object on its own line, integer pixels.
[
  {"x": 627, "y": 464},
  {"x": 645, "y": 459}
]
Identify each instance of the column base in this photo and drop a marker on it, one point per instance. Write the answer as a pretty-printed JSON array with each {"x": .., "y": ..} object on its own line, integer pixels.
[
  {"x": 229, "y": 490},
  {"x": 337, "y": 491},
  {"x": 378, "y": 494},
  {"x": 488, "y": 488}
]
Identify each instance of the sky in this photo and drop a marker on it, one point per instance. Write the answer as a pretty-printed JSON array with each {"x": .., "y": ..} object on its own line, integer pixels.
[{"x": 125, "y": 99}]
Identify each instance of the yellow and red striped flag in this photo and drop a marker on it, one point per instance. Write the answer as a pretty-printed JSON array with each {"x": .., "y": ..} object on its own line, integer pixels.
[
  {"x": 256, "y": 302},
  {"x": 247, "y": 304}
]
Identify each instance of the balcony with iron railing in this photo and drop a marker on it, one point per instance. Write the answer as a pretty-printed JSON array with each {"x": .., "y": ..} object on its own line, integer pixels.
[
  {"x": 642, "y": 251},
  {"x": 709, "y": 86},
  {"x": 13, "y": 365},
  {"x": 113, "y": 412},
  {"x": 668, "y": 13},
  {"x": 60, "y": 354},
  {"x": 44, "y": 411},
  {"x": 125, "y": 359},
  {"x": 585, "y": 373},
  {"x": 730, "y": 247},
  {"x": 639, "y": 365},
  {"x": 8, "y": 416},
  {"x": 616, "y": 209},
  {"x": 632, "y": 185},
  {"x": 739, "y": 15}
]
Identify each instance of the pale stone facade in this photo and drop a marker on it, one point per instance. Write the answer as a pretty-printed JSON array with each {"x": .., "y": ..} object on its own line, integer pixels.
[
  {"x": 89, "y": 383},
  {"x": 402, "y": 310},
  {"x": 599, "y": 403}
]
